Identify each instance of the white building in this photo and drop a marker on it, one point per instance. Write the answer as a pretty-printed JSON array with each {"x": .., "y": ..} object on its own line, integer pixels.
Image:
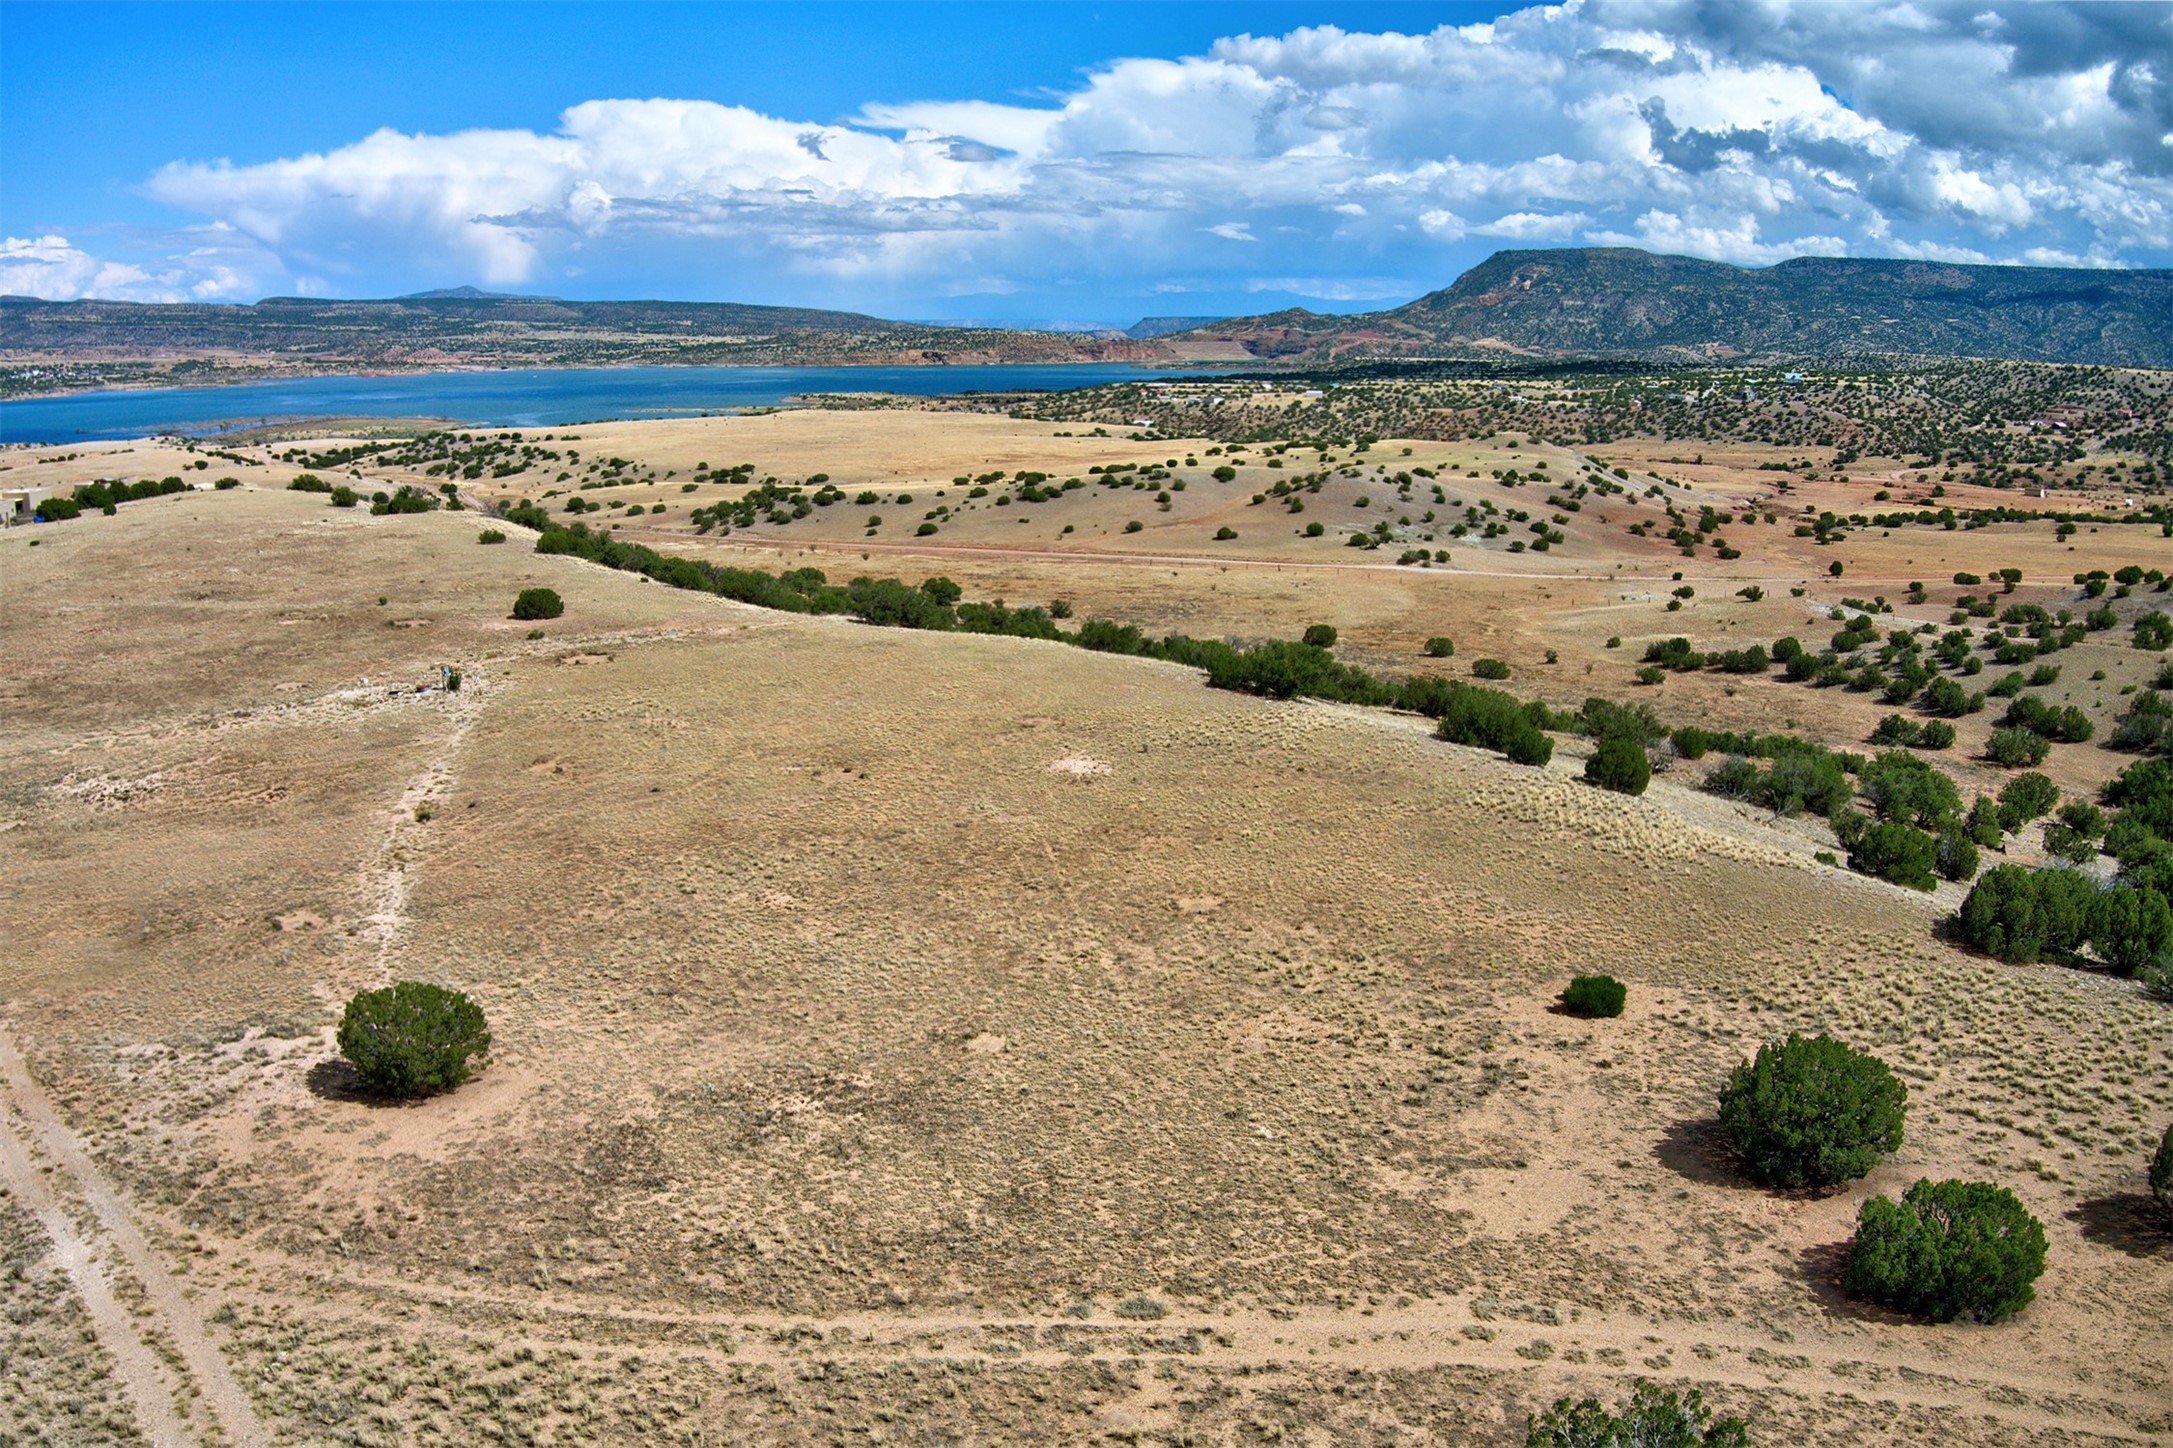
[{"x": 17, "y": 505}]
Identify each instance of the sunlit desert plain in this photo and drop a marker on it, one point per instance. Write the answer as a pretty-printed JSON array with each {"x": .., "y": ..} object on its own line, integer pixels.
[{"x": 922, "y": 1036}]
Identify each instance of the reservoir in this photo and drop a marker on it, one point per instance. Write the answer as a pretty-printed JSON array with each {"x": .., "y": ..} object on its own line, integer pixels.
[{"x": 518, "y": 397}]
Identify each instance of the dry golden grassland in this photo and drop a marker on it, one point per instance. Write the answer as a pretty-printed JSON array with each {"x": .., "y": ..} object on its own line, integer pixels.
[
  {"x": 924, "y": 1038},
  {"x": 1601, "y": 584}
]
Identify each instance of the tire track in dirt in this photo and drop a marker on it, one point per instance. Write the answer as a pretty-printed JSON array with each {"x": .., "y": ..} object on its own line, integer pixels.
[
  {"x": 152, "y": 1387},
  {"x": 170, "y": 1307},
  {"x": 134, "y": 1364},
  {"x": 1418, "y": 1337}
]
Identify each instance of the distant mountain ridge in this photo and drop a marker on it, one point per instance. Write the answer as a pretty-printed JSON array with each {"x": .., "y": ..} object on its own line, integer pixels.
[
  {"x": 467, "y": 294},
  {"x": 1599, "y": 303},
  {"x": 462, "y": 326},
  {"x": 1617, "y": 302}
]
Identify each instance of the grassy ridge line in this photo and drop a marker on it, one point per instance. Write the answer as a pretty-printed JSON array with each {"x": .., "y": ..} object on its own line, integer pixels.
[
  {"x": 1918, "y": 830},
  {"x": 1280, "y": 669}
]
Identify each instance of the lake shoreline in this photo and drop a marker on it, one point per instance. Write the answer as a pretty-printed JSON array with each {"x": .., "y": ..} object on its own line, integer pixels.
[
  {"x": 271, "y": 374},
  {"x": 547, "y": 396}
]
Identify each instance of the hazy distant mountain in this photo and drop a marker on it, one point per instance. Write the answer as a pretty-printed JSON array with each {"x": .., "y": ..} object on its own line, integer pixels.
[
  {"x": 1147, "y": 327},
  {"x": 1025, "y": 324},
  {"x": 464, "y": 294},
  {"x": 1618, "y": 302},
  {"x": 1597, "y": 303}
]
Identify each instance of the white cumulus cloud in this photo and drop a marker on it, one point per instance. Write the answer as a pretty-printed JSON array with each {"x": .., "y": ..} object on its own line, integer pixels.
[
  {"x": 1532, "y": 226},
  {"x": 55, "y": 269},
  {"x": 44, "y": 266},
  {"x": 1747, "y": 133}
]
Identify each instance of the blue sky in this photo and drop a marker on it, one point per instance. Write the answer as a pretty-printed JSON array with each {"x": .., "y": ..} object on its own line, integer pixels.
[{"x": 1055, "y": 161}]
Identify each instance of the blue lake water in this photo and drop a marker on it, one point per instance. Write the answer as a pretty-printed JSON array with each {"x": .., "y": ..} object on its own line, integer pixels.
[{"x": 519, "y": 397}]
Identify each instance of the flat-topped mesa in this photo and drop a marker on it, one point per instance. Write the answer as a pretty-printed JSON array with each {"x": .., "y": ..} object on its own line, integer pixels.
[{"x": 1606, "y": 302}]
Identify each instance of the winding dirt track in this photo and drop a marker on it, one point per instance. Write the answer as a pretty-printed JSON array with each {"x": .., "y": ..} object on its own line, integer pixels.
[
  {"x": 1422, "y": 1335},
  {"x": 136, "y": 1366},
  {"x": 172, "y": 1313},
  {"x": 26, "y": 1115}
]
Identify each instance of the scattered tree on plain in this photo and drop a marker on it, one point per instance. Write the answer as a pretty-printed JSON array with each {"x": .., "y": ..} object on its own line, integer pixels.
[
  {"x": 1812, "y": 1112},
  {"x": 1595, "y": 995},
  {"x": 1948, "y": 1249},
  {"x": 412, "y": 1038},
  {"x": 535, "y": 603}
]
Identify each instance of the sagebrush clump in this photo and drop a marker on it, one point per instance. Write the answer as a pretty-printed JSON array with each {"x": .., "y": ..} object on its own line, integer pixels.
[
  {"x": 412, "y": 1038},
  {"x": 1811, "y": 1111}
]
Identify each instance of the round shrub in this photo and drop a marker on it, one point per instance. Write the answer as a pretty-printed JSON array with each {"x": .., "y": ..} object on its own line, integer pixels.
[
  {"x": 2157, "y": 978},
  {"x": 1320, "y": 635},
  {"x": 2019, "y": 914},
  {"x": 1946, "y": 1250},
  {"x": 412, "y": 1038},
  {"x": 1528, "y": 746},
  {"x": 1438, "y": 647},
  {"x": 2132, "y": 928},
  {"x": 536, "y": 603},
  {"x": 1619, "y": 764},
  {"x": 1896, "y": 852},
  {"x": 1490, "y": 668},
  {"x": 1811, "y": 1112},
  {"x": 1595, "y": 995}
]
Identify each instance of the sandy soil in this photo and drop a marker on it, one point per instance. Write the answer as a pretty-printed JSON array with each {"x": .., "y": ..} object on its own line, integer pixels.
[{"x": 925, "y": 1038}]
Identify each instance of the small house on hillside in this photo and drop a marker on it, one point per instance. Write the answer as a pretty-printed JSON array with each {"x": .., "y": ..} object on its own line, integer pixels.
[{"x": 20, "y": 505}]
